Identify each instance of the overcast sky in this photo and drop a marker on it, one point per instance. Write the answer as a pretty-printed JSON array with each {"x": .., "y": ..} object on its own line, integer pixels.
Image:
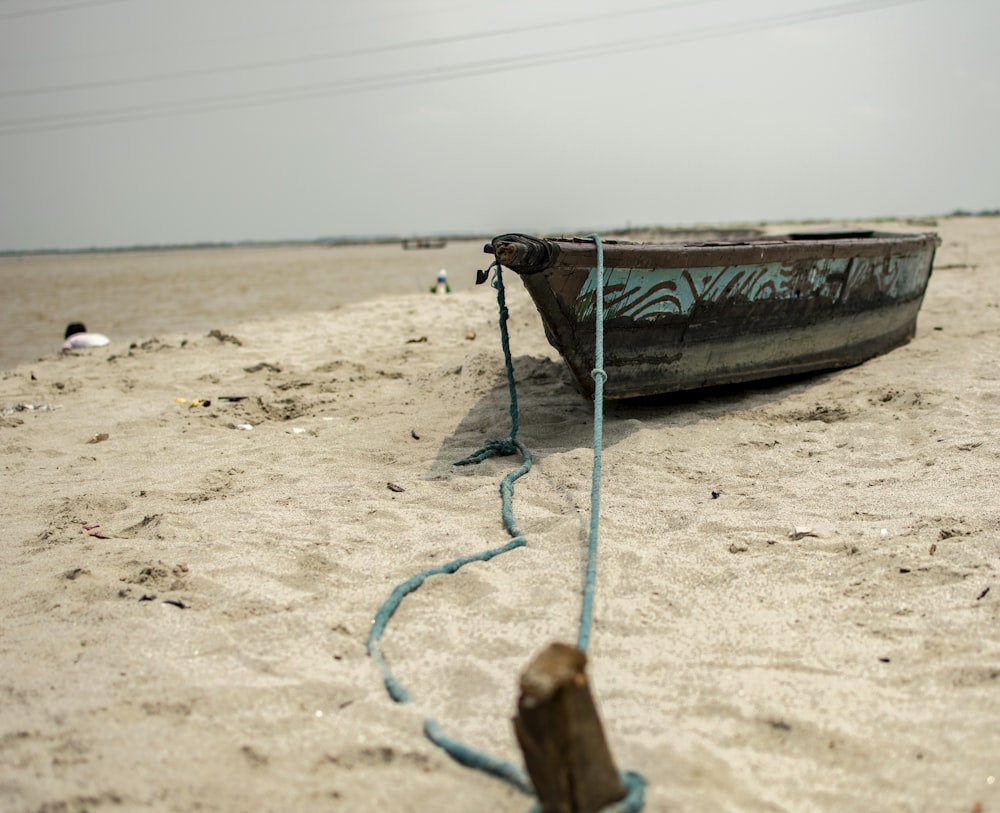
[{"x": 130, "y": 122}]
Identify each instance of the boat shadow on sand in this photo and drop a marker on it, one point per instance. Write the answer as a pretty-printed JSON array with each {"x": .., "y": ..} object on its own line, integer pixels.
[{"x": 554, "y": 416}]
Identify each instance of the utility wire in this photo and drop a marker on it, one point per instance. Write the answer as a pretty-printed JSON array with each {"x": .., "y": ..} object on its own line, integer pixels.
[
  {"x": 34, "y": 12},
  {"x": 344, "y": 54},
  {"x": 437, "y": 74}
]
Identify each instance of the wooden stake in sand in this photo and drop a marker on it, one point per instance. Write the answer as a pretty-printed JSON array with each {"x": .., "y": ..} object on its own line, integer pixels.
[{"x": 560, "y": 735}]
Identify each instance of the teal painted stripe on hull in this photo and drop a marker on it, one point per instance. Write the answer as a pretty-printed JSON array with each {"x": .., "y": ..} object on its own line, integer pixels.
[{"x": 644, "y": 294}]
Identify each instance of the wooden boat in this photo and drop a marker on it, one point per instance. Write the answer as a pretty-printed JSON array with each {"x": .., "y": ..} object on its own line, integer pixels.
[{"x": 680, "y": 316}]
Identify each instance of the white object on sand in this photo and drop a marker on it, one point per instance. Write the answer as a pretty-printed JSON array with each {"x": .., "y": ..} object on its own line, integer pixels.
[{"x": 79, "y": 341}]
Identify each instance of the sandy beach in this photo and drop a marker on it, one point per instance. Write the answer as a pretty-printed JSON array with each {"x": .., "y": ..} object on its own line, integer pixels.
[
  {"x": 138, "y": 295},
  {"x": 187, "y": 599}
]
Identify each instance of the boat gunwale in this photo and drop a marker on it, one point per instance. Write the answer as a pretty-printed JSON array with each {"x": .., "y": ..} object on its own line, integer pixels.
[{"x": 527, "y": 255}]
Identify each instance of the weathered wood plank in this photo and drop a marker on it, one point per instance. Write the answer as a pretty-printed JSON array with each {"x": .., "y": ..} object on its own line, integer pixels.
[{"x": 560, "y": 734}]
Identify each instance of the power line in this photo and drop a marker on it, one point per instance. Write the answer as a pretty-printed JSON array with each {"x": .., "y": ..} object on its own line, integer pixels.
[
  {"x": 437, "y": 74},
  {"x": 34, "y": 12},
  {"x": 344, "y": 54}
]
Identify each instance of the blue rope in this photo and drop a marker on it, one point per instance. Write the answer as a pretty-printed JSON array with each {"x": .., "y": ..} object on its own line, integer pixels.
[
  {"x": 635, "y": 784},
  {"x": 600, "y": 376},
  {"x": 396, "y": 689},
  {"x": 471, "y": 758},
  {"x": 458, "y": 751},
  {"x": 509, "y": 445}
]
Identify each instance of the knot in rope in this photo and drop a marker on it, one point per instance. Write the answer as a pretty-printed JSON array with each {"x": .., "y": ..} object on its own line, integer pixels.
[{"x": 492, "y": 448}]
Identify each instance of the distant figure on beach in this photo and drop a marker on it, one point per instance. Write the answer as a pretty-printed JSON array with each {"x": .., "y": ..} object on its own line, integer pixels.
[
  {"x": 441, "y": 286},
  {"x": 77, "y": 338}
]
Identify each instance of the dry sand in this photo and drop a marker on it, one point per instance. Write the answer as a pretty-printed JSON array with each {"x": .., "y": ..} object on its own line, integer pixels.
[
  {"x": 139, "y": 294},
  {"x": 186, "y": 603}
]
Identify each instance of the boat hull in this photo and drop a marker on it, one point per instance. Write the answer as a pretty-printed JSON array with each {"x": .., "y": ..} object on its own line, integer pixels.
[{"x": 690, "y": 315}]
